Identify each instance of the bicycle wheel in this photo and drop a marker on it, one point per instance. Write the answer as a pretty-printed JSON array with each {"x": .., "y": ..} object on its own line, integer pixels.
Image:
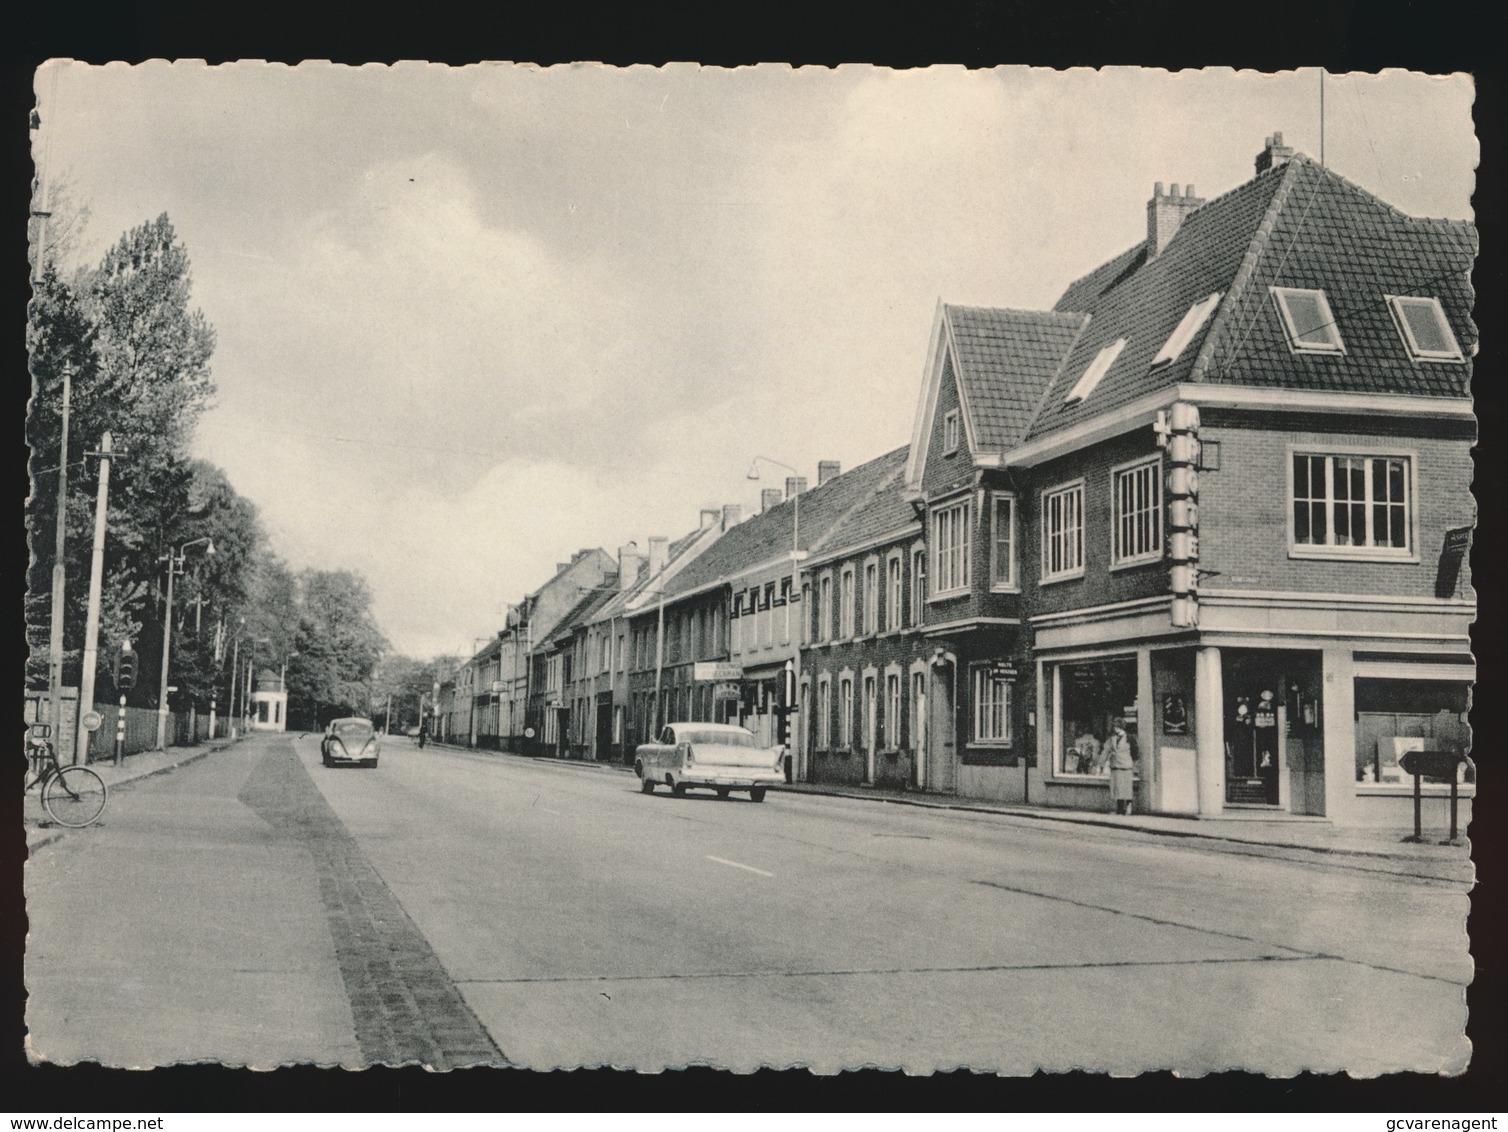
[{"x": 75, "y": 796}]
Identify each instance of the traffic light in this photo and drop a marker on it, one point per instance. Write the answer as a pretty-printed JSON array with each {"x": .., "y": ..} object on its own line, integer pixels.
[
  {"x": 125, "y": 670},
  {"x": 1178, "y": 433}
]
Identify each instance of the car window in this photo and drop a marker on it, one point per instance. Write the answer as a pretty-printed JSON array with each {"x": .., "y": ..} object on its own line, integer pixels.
[
  {"x": 667, "y": 737},
  {"x": 731, "y": 738},
  {"x": 351, "y": 729}
]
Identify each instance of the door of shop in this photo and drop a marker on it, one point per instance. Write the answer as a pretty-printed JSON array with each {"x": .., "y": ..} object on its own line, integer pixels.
[
  {"x": 604, "y": 748},
  {"x": 1274, "y": 748}
]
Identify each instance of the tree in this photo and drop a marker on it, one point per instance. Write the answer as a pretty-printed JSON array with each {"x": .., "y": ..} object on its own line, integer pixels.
[
  {"x": 338, "y": 648},
  {"x": 139, "y": 358}
]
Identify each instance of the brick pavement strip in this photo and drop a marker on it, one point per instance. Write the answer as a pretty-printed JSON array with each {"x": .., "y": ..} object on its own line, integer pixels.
[{"x": 405, "y": 1007}]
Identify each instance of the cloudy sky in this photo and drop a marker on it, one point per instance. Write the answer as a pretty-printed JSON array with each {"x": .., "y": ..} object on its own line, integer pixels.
[{"x": 471, "y": 320}]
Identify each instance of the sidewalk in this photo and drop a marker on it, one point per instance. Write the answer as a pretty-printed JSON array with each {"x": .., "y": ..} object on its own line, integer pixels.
[
  {"x": 1292, "y": 837},
  {"x": 39, "y": 827}
]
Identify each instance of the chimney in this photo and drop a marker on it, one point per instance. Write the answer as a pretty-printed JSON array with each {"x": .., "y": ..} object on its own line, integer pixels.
[
  {"x": 659, "y": 552},
  {"x": 562, "y": 567},
  {"x": 629, "y": 561},
  {"x": 827, "y": 470},
  {"x": 769, "y": 497},
  {"x": 794, "y": 486},
  {"x": 710, "y": 518},
  {"x": 1275, "y": 154},
  {"x": 1165, "y": 214},
  {"x": 733, "y": 514}
]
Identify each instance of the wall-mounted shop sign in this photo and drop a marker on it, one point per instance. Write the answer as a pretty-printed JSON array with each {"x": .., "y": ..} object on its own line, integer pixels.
[
  {"x": 1452, "y": 553},
  {"x": 1175, "y": 715},
  {"x": 1004, "y": 670},
  {"x": 726, "y": 691},
  {"x": 716, "y": 670}
]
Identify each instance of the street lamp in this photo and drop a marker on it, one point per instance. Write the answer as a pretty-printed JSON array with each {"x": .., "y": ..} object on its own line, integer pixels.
[
  {"x": 795, "y": 510},
  {"x": 175, "y": 566}
]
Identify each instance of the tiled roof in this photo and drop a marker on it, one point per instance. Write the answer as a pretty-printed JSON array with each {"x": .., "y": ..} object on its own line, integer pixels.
[
  {"x": 580, "y": 613},
  {"x": 1297, "y": 225},
  {"x": 768, "y": 535},
  {"x": 1005, "y": 360},
  {"x": 883, "y": 510}
]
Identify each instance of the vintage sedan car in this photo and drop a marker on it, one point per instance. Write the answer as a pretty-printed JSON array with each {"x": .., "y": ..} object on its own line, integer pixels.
[
  {"x": 350, "y": 742},
  {"x": 710, "y": 756}
]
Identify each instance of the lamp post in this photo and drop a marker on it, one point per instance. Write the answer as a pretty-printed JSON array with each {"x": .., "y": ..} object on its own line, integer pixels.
[{"x": 175, "y": 566}]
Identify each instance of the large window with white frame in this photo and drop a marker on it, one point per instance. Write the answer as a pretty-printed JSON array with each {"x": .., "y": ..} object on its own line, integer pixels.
[
  {"x": 845, "y": 603},
  {"x": 845, "y": 711},
  {"x": 871, "y": 597},
  {"x": 992, "y": 707},
  {"x": 825, "y": 608},
  {"x": 1352, "y": 504},
  {"x": 893, "y": 592},
  {"x": 950, "y": 548},
  {"x": 1136, "y": 513},
  {"x": 824, "y": 711},
  {"x": 1063, "y": 532},
  {"x": 1003, "y": 541},
  {"x": 806, "y": 614}
]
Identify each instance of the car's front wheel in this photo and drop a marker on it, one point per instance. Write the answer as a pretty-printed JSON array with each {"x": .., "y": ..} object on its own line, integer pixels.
[
  {"x": 756, "y": 794},
  {"x": 647, "y": 786}
]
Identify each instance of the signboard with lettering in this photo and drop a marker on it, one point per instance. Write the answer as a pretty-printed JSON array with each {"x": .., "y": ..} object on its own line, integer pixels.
[
  {"x": 1003, "y": 670},
  {"x": 1452, "y": 553},
  {"x": 716, "y": 670},
  {"x": 727, "y": 691}
]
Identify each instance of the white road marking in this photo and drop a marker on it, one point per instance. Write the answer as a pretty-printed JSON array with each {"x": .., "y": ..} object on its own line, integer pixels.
[{"x": 736, "y": 865}]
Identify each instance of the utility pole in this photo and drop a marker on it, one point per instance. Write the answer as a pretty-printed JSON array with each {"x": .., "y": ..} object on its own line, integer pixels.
[
  {"x": 235, "y": 678},
  {"x": 175, "y": 565},
  {"x": 96, "y": 580},
  {"x": 387, "y": 717},
  {"x": 59, "y": 576}
]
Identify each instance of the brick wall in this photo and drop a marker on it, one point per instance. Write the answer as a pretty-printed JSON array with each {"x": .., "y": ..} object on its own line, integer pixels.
[{"x": 1244, "y": 511}]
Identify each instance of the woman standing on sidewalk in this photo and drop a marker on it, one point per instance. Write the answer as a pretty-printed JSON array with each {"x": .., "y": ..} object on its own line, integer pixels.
[{"x": 1121, "y": 759}]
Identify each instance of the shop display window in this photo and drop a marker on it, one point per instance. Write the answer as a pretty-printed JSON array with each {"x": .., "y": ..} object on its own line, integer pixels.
[
  {"x": 1090, "y": 695},
  {"x": 1394, "y": 717}
]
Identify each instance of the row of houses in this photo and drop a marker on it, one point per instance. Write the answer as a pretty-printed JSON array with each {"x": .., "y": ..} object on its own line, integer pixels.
[{"x": 1220, "y": 491}]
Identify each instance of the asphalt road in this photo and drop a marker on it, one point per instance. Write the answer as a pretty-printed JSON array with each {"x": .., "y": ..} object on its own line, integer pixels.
[
  {"x": 588, "y": 924},
  {"x": 454, "y": 908}
]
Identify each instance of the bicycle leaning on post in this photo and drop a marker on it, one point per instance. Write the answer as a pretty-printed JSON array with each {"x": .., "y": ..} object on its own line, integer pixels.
[{"x": 73, "y": 795}]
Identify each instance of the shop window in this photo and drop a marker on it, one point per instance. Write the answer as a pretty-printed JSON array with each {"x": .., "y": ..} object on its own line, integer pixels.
[
  {"x": 1063, "y": 532},
  {"x": 1136, "y": 499},
  {"x": 1352, "y": 505},
  {"x": 1090, "y": 695},
  {"x": 992, "y": 707},
  {"x": 1394, "y": 717}
]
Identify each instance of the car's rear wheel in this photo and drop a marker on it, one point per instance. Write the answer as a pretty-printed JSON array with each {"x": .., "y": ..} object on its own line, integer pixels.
[
  {"x": 756, "y": 794},
  {"x": 647, "y": 786}
]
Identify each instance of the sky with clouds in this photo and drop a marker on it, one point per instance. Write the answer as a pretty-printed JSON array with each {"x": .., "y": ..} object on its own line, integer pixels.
[{"x": 471, "y": 320}]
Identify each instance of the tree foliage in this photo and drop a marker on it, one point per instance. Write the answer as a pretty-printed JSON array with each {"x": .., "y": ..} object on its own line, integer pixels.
[{"x": 338, "y": 648}]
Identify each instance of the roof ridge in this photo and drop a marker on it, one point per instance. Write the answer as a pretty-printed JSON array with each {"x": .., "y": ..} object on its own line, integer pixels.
[
  {"x": 1256, "y": 248},
  {"x": 1049, "y": 314}
]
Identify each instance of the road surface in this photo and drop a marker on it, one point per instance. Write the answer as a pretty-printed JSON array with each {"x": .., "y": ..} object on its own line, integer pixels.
[{"x": 456, "y": 907}]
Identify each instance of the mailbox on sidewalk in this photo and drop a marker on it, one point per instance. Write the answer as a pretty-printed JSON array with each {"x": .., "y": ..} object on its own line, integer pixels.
[{"x": 1437, "y": 764}]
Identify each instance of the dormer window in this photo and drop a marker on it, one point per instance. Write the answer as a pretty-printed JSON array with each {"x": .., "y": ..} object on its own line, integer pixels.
[
  {"x": 950, "y": 432},
  {"x": 1307, "y": 321},
  {"x": 1192, "y": 323},
  {"x": 1096, "y": 370},
  {"x": 1425, "y": 332}
]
